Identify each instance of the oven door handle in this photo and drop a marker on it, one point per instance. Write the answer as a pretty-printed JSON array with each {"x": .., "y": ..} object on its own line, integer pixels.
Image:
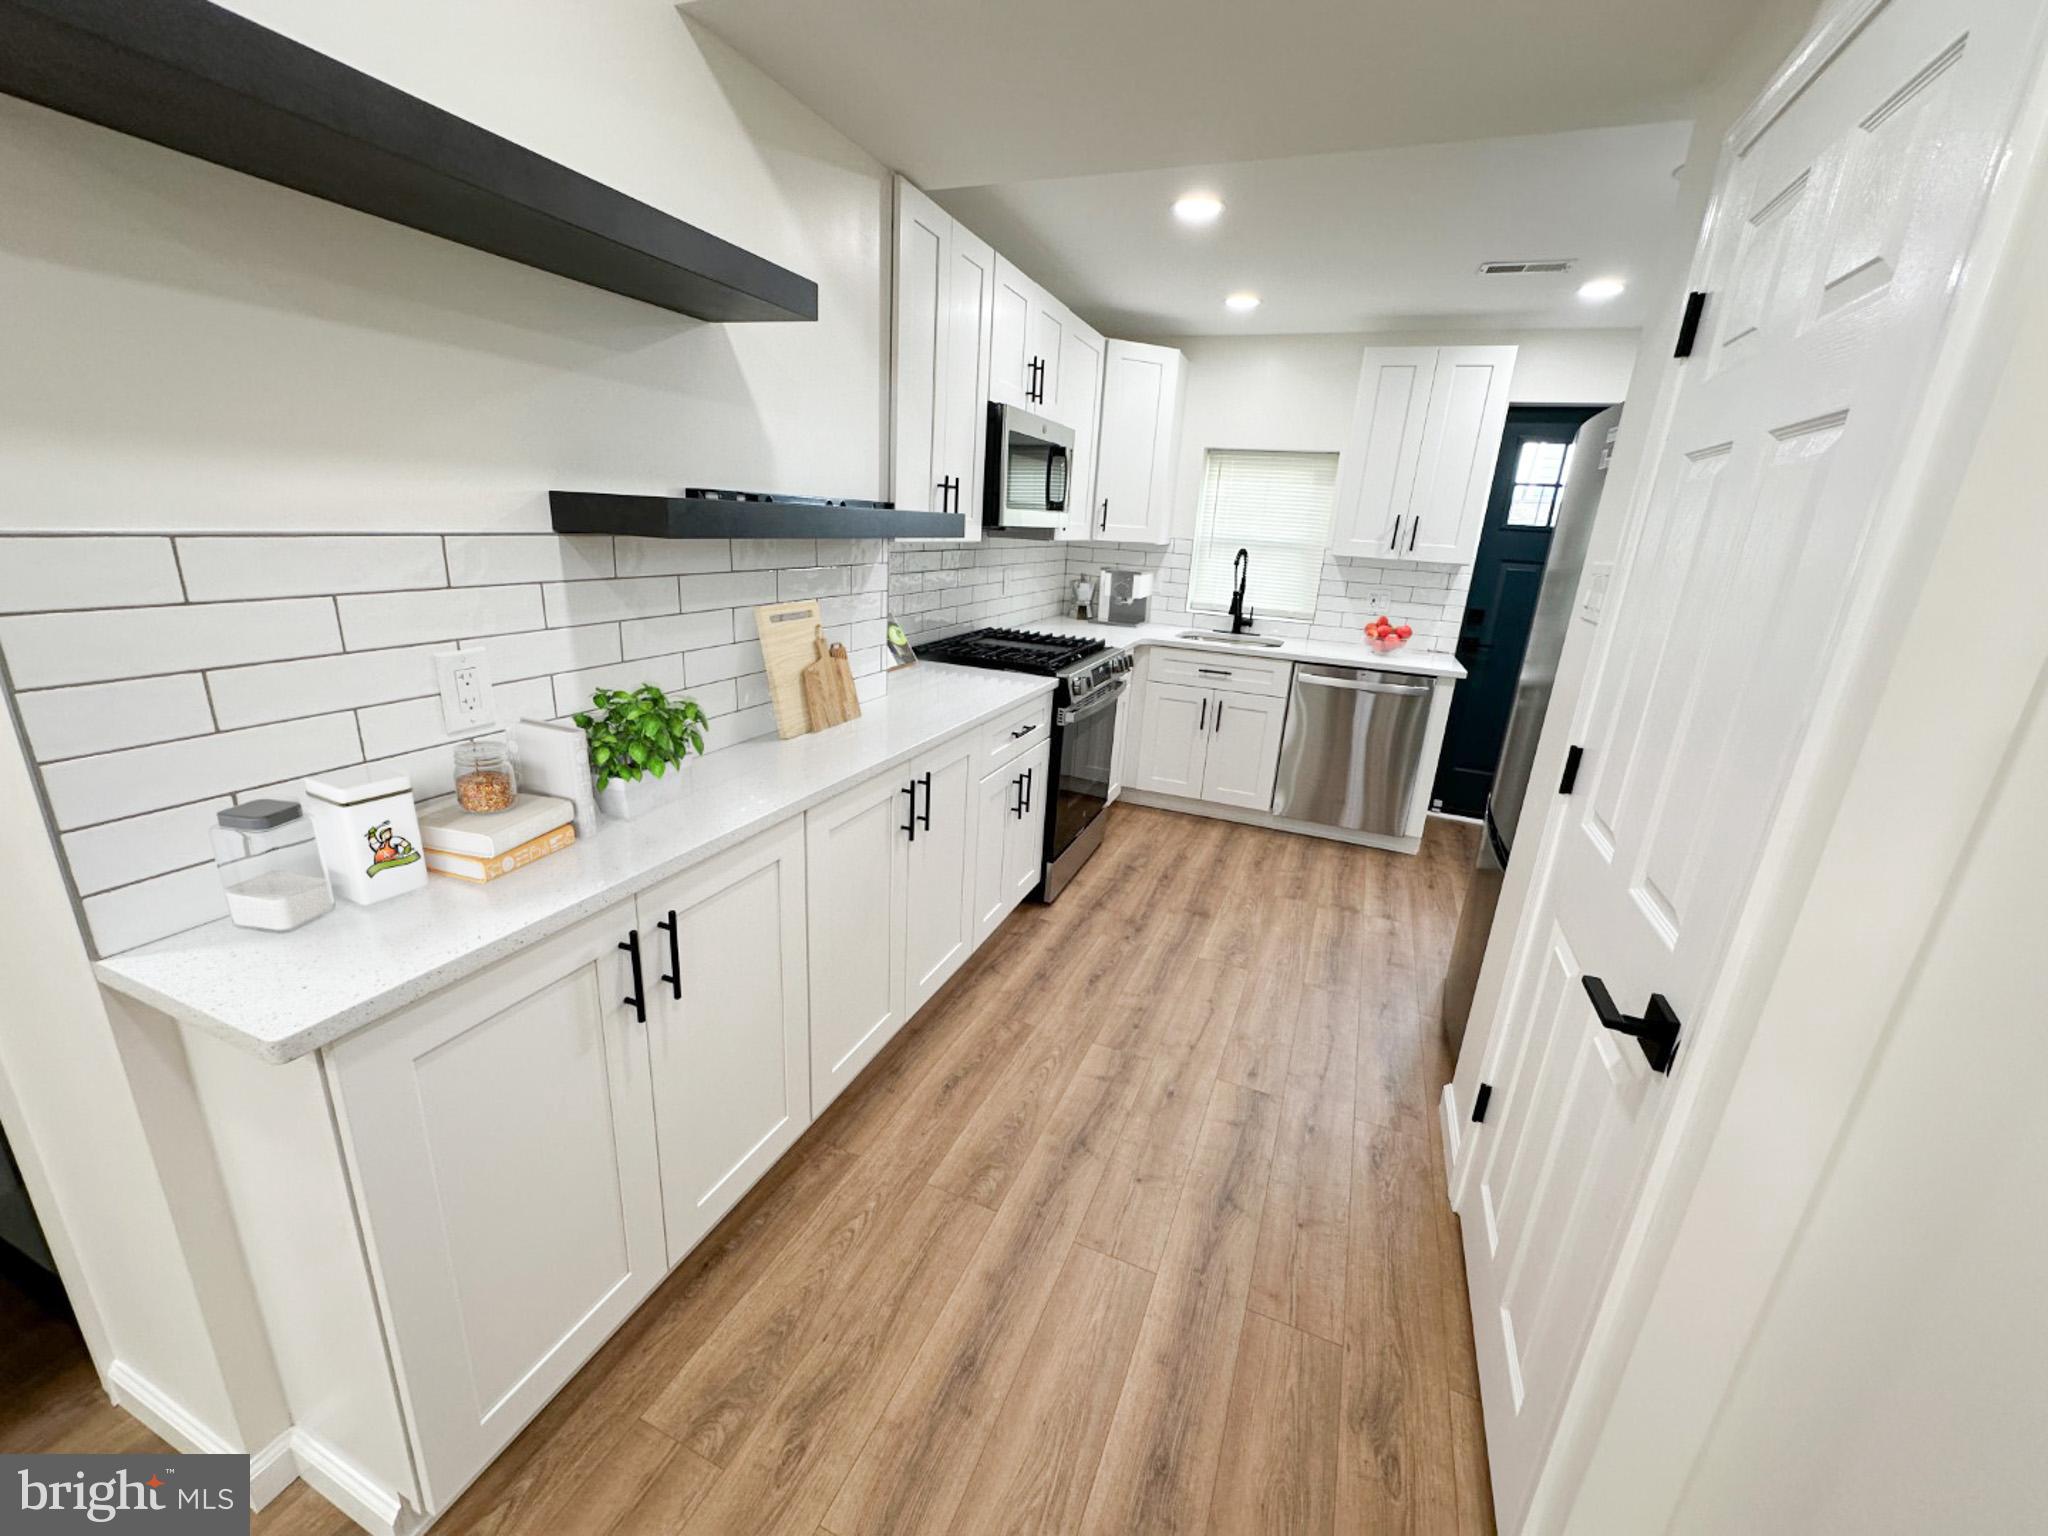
[{"x": 1103, "y": 698}]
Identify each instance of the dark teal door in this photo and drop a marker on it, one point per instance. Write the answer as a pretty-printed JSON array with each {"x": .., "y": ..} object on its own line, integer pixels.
[{"x": 1506, "y": 575}]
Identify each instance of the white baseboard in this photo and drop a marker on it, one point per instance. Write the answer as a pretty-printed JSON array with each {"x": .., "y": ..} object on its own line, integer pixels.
[
  {"x": 1266, "y": 819},
  {"x": 275, "y": 1467},
  {"x": 1447, "y": 1103}
]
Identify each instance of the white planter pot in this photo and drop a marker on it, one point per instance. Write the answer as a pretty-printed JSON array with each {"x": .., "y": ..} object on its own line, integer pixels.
[{"x": 627, "y": 798}]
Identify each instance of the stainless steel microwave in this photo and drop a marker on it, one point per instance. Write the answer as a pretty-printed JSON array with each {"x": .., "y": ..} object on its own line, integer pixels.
[{"x": 1025, "y": 477}]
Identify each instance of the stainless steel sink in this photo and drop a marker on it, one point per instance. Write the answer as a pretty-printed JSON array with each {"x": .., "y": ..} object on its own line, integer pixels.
[{"x": 1225, "y": 637}]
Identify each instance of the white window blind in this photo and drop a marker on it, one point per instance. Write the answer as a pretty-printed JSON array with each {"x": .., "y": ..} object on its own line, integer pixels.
[{"x": 1277, "y": 507}]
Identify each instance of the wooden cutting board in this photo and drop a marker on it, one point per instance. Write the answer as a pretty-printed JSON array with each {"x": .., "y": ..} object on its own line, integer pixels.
[
  {"x": 789, "y": 635},
  {"x": 829, "y": 696}
]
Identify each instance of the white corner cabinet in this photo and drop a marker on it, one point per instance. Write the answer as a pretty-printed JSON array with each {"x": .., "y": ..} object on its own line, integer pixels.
[
  {"x": 970, "y": 327},
  {"x": 447, "y": 1212},
  {"x": 1416, "y": 467}
]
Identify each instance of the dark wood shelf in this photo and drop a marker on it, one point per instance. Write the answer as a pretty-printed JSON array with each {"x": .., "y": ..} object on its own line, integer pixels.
[
  {"x": 698, "y": 517},
  {"x": 198, "y": 78}
]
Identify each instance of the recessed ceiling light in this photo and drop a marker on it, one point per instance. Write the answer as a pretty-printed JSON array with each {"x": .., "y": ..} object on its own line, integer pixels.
[
  {"x": 1601, "y": 289},
  {"x": 1197, "y": 208},
  {"x": 1243, "y": 303}
]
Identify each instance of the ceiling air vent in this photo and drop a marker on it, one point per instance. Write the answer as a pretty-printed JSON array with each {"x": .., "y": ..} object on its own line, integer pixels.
[{"x": 1523, "y": 268}]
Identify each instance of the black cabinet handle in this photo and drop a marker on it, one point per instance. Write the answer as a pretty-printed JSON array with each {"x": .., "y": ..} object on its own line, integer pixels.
[
  {"x": 1030, "y": 784},
  {"x": 1215, "y": 672},
  {"x": 1219, "y": 717},
  {"x": 1413, "y": 524},
  {"x": 910, "y": 826},
  {"x": 1396, "y": 538},
  {"x": 1105, "y": 514},
  {"x": 637, "y": 1001},
  {"x": 1656, "y": 1031},
  {"x": 1205, "y": 718},
  {"x": 674, "y": 976},
  {"x": 1023, "y": 730},
  {"x": 926, "y": 817},
  {"x": 1017, "y": 810}
]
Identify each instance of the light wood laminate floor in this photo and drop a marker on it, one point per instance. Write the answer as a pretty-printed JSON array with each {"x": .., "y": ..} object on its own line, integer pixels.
[{"x": 1138, "y": 1227}]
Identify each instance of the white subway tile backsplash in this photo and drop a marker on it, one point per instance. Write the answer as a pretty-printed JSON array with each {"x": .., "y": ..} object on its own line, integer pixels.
[
  {"x": 720, "y": 662},
  {"x": 542, "y": 652},
  {"x": 104, "y": 717},
  {"x": 390, "y": 730},
  {"x": 318, "y": 685},
  {"x": 411, "y": 618},
  {"x": 813, "y": 581},
  {"x": 672, "y": 557},
  {"x": 154, "y": 909},
  {"x": 114, "y": 784},
  {"x": 678, "y": 632},
  {"x": 849, "y": 552},
  {"x": 573, "y": 689},
  {"x": 52, "y": 649},
  {"x": 42, "y": 575},
  {"x": 744, "y": 725},
  {"x": 766, "y": 554},
  {"x": 493, "y": 559},
  {"x": 733, "y": 589},
  {"x": 122, "y": 852},
  {"x": 600, "y": 602},
  {"x": 231, "y": 569}
]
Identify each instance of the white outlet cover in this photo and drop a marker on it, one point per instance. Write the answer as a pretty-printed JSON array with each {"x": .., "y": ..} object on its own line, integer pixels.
[
  {"x": 1377, "y": 602},
  {"x": 466, "y": 703}
]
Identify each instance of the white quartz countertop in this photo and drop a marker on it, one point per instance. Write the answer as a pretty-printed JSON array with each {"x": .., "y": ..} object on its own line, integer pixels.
[
  {"x": 1409, "y": 658},
  {"x": 283, "y": 995}
]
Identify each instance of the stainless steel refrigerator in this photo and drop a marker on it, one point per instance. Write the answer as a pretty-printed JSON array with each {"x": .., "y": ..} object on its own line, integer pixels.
[{"x": 1572, "y": 531}]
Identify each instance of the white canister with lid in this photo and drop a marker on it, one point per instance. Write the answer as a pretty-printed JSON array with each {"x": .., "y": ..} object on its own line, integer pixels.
[
  {"x": 369, "y": 835},
  {"x": 269, "y": 866}
]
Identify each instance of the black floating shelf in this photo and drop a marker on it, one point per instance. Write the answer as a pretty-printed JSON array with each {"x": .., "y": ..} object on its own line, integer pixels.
[
  {"x": 199, "y": 78},
  {"x": 703, "y": 517}
]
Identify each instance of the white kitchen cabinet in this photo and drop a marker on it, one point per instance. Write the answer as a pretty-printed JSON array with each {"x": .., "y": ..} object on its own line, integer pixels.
[
  {"x": 1080, "y": 376},
  {"x": 945, "y": 282},
  {"x": 725, "y": 959},
  {"x": 938, "y": 904},
  {"x": 1028, "y": 339},
  {"x": 1140, "y": 436},
  {"x": 502, "y": 1144},
  {"x": 1243, "y": 750},
  {"x": 890, "y": 896},
  {"x": 1010, "y": 833},
  {"x": 1414, "y": 475},
  {"x": 1213, "y": 744}
]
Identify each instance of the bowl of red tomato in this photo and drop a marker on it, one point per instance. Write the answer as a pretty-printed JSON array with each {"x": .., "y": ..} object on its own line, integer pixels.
[{"x": 1385, "y": 636}]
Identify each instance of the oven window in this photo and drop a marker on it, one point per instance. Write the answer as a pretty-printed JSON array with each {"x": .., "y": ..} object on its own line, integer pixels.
[{"x": 1037, "y": 479}]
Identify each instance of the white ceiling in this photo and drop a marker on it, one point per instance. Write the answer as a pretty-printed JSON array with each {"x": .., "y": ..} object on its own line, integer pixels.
[
  {"x": 972, "y": 92},
  {"x": 1381, "y": 240},
  {"x": 1372, "y": 152}
]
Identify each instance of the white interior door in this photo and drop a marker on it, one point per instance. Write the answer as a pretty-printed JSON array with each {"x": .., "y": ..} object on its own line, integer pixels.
[
  {"x": 853, "y": 868},
  {"x": 938, "y": 887},
  {"x": 963, "y": 409},
  {"x": 728, "y": 1025},
  {"x": 1173, "y": 739},
  {"x": 1841, "y": 216},
  {"x": 923, "y": 231},
  {"x": 1244, "y": 749}
]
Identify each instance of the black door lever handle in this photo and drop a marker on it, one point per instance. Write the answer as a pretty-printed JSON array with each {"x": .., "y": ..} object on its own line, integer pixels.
[{"x": 1656, "y": 1031}]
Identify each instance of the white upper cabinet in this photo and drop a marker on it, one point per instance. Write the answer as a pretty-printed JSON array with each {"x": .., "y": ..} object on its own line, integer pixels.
[
  {"x": 1080, "y": 376},
  {"x": 1133, "y": 491},
  {"x": 1030, "y": 332},
  {"x": 945, "y": 288},
  {"x": 1425, "y": 432}
]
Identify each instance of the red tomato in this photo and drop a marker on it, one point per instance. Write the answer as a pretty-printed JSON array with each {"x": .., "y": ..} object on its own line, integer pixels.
[{"x": 1404, "y": 631}]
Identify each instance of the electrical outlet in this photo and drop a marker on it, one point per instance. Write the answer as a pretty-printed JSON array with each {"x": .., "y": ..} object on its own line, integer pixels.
[
  {"x": 1377, "y": 602},
  {"x": 465, "y": 691}
]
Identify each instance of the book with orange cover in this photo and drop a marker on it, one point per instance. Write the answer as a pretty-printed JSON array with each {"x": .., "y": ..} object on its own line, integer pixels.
[{"x": 470, "y": 867}]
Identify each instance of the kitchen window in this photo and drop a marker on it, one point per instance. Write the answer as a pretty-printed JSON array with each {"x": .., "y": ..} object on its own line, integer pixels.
[{"x": 1277, "y": 506}]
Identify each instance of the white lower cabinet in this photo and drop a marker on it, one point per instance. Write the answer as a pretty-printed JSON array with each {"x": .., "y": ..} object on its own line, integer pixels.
[
  {"x": 1209, "y": 744},
  {"x": 891, "y": 900},
  {"x": 1010, "y": 825},
  {"x": 502, "y": 1140},
  {"x": 724, "y": 958}
]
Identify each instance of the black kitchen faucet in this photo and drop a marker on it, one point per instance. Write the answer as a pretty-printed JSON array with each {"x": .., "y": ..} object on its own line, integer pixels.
[{"x": 1240, "y": 616}]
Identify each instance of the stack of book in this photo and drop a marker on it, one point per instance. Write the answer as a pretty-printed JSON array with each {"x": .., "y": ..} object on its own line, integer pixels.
[{"x": 482, "y": 846}]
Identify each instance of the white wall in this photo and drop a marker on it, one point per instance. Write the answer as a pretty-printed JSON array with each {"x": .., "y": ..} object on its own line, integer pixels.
[
  {"x": 1296, "y": 392},
  {"x": 190, "y": 348}
]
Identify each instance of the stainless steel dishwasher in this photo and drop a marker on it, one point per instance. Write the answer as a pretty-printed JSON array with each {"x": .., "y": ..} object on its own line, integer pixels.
[{"x": 1351, "y": 751}]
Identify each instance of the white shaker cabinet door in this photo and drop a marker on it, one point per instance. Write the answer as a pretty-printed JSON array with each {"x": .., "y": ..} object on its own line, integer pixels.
[
  {"x": 970, "y": 289},
  {"x": 1024, "y": 864},
  {"x": 1468, "y": 410},
  {"x": 1244, "y": 749},
  {"x": 1013, "y": 378},
  {"x": 1133, "y": 491},
  {"x": 924, "y": 233},
  {"x": 728, "y": 1012},
  {"x": 854, "y": 870},
  {"x": 501, "y": 1136},
  {"x": 938, "y": 887},
  {"x": 1080, "y": 407},
  {"x": 1002, "y": 804},
  {"x": 1173, "y": 739},
  {"x": 1376, "y": 471}
]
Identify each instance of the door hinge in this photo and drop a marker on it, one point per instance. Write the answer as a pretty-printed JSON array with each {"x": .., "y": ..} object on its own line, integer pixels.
[
  {"x": 1479, "y": 1103},
  {"x": 1571, "y": 770},
  {"x": 1689, "y": 323}
]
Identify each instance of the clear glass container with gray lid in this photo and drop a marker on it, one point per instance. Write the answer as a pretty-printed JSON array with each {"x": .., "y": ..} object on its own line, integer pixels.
[{"x": 269, "y": 865}]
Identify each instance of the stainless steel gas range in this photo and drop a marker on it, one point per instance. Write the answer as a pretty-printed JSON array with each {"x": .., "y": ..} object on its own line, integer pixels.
[{"x": 1091, "y": 676}]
